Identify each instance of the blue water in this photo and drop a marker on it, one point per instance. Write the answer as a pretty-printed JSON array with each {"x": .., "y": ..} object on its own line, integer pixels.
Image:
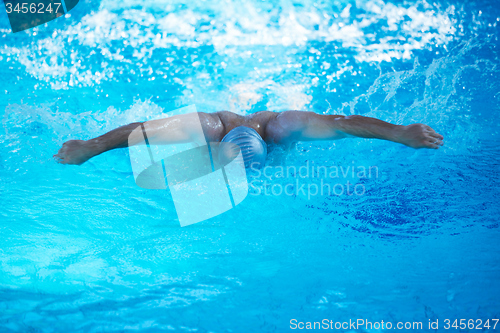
[{"x": 83, "y": 249}]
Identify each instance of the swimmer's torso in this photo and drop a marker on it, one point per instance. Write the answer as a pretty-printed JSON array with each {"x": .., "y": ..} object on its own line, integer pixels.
[
  {"x": 271, "y": 126},
  {"x": 258, "y": 121}
]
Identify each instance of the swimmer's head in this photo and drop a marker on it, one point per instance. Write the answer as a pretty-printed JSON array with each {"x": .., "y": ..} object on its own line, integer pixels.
[{"x": 253, "y": 148}]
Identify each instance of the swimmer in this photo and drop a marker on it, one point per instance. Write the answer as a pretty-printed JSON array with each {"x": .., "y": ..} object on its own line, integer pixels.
[{"x": 252, "y": 133}]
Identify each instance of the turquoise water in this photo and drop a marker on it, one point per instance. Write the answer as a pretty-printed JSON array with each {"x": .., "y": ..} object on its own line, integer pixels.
[{"x": 83, "y": 249}]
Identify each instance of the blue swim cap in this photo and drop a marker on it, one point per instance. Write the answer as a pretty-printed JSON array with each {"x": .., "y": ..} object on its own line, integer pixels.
[{"x": 253, "y": 148}]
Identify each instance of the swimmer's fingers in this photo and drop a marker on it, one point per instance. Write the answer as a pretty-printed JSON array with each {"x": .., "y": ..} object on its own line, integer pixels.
[
  {"x": 421, "y": 136},
  {"x": 435, "y": 135},
  {"x": 428, "y": 130},
  {"x": 59, "y": 157},
  {"x": 434, "y": 140},
  {"x": 434, "y": 143}
]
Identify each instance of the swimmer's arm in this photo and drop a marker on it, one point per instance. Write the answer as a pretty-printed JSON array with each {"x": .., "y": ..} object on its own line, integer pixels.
[
  {"x": 79, "y": 151},
  {"x": 414, "y": 135},
  {"x": 291, "y": 126},
  {"x": 176, "y": 129}
]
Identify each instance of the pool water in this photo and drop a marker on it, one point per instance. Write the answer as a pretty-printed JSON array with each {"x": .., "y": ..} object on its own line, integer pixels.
[{"x": 84, "y": 249}]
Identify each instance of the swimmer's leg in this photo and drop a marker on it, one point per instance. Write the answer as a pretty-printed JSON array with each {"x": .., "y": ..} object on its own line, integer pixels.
[{"x": 176, "y": 129}]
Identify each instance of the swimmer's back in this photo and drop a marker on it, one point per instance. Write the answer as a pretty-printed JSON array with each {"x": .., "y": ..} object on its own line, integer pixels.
[{"x": 258, "y": 121}]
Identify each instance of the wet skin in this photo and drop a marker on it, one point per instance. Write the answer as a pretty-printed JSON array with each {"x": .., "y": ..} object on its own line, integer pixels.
[{"x": 283, "y": 128}]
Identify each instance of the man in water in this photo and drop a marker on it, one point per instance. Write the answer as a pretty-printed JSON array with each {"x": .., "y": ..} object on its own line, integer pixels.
[{"x": 252, "y": 133}]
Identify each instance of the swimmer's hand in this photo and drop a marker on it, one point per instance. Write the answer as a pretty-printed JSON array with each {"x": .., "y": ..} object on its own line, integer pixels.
[
  {"x": 420, "y": 136},
  {"x": 74, "y": 152}
]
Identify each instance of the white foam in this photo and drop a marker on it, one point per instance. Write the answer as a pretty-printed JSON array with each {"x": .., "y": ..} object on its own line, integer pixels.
[{"x": 64, "y": 57}]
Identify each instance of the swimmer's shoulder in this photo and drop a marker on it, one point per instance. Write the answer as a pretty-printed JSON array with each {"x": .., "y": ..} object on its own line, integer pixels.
[
  {"x": 265, "y": 115},
  {"x": 278, "y": 130},
  {"x": 258, "y": 120},
  {"x": 261, "y": 121},
  {"x": 212, "y": 125},
  {"x": 227, "y": 117}
]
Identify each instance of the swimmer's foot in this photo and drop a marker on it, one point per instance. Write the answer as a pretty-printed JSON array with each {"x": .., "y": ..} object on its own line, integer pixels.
[
  {"x": 75, "y": 152},
  {"x": 420, "y": 136}
]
